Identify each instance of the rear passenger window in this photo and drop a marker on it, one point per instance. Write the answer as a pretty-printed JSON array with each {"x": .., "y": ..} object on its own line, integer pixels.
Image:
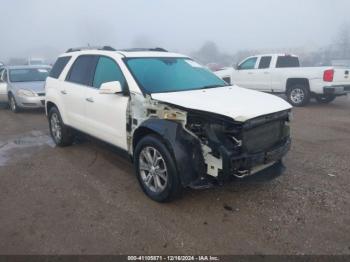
[
  {"x": 82, "y": 71},
  {"x": 59, "y": 66},
  {"x": 265, "y": 62},
  {"x": 107, "y": 70}
]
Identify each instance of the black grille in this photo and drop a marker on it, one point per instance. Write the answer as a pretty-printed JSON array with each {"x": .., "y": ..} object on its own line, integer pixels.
[
  {"x": 264, "y": 137},
  {"x": 41, "y": 94},
  {"x": 347, "y": 88}
]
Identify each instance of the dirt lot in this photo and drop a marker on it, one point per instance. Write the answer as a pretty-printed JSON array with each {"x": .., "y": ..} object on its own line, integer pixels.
[{"x": 85, "y": 199}]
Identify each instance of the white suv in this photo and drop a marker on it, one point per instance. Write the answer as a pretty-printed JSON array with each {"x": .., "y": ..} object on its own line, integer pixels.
[{"x": 182, "y": 125}]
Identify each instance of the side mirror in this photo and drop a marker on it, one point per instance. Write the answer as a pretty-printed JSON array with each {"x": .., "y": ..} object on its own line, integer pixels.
[
  {"x": 111, "y": 88},
  {"x": 236, "y": 66}
]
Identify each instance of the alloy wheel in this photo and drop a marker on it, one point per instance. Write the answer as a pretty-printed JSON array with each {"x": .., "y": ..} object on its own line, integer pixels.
[
  {"x": 153, "y": 169},
  {"x": 13, "y": 104},
  {"x": 56, "y": 129},
  {"x": 297, "y": 96}
]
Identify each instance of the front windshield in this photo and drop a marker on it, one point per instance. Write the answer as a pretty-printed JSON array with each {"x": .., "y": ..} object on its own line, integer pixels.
[
  {"x": 159, "y": 75},
  {"x": 28, "y": 74}
]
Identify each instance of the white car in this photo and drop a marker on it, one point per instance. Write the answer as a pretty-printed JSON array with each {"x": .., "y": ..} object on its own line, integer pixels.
[
  {"x": 181, "y": 124},
  {"x": 281, "y": 73}
]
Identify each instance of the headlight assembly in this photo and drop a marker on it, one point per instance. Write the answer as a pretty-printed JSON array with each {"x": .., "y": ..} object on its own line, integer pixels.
[{"x": 25, "y": 92}]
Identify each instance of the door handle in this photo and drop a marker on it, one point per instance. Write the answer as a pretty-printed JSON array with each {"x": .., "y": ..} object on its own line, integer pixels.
[
  {"x": 266, "y": 73},
  {"x": 63, "y": 92},
  {"x": 90, "y": 99},
  {"x": 250, "y": 73}
]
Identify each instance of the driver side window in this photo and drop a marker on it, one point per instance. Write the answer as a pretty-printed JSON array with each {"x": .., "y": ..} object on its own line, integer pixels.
[
  {"x": 107, "y": 70},
  {"x": 248, "y": 64}
]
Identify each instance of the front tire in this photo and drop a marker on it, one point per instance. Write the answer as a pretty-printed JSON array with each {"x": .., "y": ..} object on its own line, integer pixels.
[
  {"x": 156, "y": 170},
  {"x": 13, "y": 104},
  {"x": 298, "y": 95},
  {"x": 325, "y": 99},
  {"x": 61, "y": 134}
]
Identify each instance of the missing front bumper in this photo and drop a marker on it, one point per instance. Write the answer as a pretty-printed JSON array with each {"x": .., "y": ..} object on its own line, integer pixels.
[{"x": 249, "y": 164}]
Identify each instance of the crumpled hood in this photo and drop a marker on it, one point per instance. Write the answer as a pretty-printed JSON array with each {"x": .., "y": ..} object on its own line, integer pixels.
[
  {"x": 37, "y": 87},
  {"x": 238, "y": 103}
]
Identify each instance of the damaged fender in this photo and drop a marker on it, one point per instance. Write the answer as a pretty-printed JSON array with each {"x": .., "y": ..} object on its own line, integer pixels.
[{"x": 185, "y": 148}]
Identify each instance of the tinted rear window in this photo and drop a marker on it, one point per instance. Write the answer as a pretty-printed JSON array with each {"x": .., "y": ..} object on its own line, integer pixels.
[
  {"x": 287, "y": 61},
  {"x": 83, "y": 70},
  {"x": 59, "y": 66}
]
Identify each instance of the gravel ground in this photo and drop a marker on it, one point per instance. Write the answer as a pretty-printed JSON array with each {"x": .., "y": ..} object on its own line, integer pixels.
[{"x": 85, "y": 199}]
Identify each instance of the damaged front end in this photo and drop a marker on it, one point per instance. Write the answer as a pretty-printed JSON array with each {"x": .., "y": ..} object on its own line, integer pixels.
[
  {"x": 240, "y": 149},
  {"x": 207, "y": 145}
]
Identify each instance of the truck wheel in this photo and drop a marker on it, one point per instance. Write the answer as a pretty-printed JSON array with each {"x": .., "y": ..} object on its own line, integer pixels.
[
  {"x": 156, "y": 170},
  {"x": 13, "y": 104},
  {"x": 325, "y": 99},
  {"x": 298, "y": 95},
  {"x": 60, "y": 133}
]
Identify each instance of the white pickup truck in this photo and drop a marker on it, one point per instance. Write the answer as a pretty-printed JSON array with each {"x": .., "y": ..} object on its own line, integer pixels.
[{"x": 281, "y": 73}]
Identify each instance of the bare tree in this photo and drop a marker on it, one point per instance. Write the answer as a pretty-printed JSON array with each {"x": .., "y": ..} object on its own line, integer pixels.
[{"x": 342, "y": 43}]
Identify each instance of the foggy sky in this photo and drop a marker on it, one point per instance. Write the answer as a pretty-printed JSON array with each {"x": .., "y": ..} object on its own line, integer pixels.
[{"x": 31, "y": 26}]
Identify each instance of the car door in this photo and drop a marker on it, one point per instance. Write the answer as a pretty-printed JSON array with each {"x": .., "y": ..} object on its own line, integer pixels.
[
  {"x": 3, "y": 85},
  {"x": 245, "y": 74},
  {"x": 263, "y": 74},
  {"x": 106, "y": 113},
  {"x": 73, "y": 92}
]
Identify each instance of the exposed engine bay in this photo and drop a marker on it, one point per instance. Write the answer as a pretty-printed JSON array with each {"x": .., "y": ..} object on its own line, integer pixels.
[
  {"x": 233, "y": 148},
  {"x": 208, "y": 144}
]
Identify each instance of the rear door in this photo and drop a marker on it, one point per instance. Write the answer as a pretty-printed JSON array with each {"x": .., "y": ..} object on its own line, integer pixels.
[
  {"x": 263, "y": 74},
  {"x": 73, "y": 92},
  {"x": 278, "y": 73},
  {"x": 106, "y": 113},
  {"x": 245, "y": 74},
  {"x": 3, "y": 85}
]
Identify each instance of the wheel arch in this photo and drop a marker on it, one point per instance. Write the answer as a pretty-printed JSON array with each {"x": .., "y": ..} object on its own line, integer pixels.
[
  {"x": 297, "y": 81},
  {"x": 10, "y": 93},
  {"x": 185, "y": 148},
  {"x": 50, "y": 104}
]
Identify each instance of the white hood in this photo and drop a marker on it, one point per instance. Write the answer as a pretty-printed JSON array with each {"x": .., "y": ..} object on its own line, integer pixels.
[{"x": 235, "y": 102}]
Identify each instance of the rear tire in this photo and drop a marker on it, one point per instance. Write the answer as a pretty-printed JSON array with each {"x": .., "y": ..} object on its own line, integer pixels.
[
  {"x": 156, "y": 170},
  {"x": 325, "y": 99},
  {"x": 298, "y": 95},
  {"x": 13, "y": 104},
  {"x": 61, "y": 134}
]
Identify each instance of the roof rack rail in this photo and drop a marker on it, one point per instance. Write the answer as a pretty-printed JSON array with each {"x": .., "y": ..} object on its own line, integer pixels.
[
  {"x": 105, "y": 48},
  {"x": 155, "y": 49}
]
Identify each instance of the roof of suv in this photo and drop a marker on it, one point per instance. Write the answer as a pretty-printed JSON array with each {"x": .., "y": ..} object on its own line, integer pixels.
[
  {"x": 149, "y": 54},
  {"x": 135, "y": 52}
]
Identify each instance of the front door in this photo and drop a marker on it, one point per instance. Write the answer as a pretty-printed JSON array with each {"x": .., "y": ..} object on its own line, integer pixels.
[
  {"x": 245, "y": 75},
  {"x": 106, "y": 114}
]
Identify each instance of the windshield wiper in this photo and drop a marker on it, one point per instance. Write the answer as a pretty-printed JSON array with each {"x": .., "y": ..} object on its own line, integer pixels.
[{"x": 212, "y": 86}]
